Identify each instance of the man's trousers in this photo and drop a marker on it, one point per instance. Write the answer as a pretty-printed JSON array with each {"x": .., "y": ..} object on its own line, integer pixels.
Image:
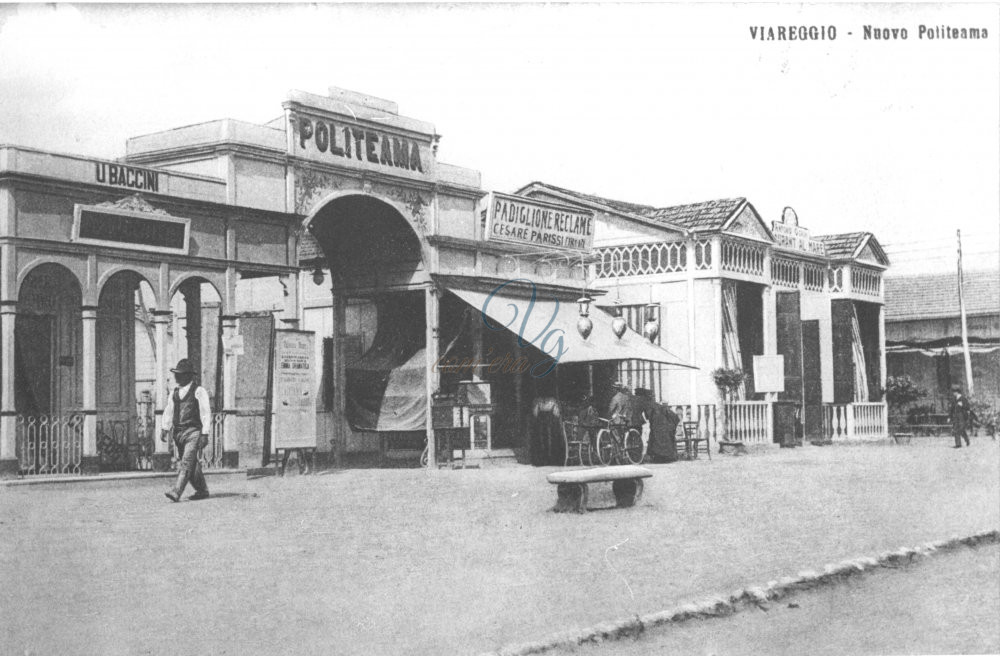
[{"x": 189, "y": 443}]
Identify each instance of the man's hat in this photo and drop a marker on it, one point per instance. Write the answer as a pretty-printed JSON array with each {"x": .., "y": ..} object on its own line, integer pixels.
[
  {"x": 956, "y": 388},
  {"x": 183, "y": 367}
]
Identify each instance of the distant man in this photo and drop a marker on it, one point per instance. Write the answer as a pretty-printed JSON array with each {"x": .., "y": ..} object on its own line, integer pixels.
[
  {"x": 188, "y": 418},
  {"x": 961, "y": 415},
  {"x": 621, "y": 407}
]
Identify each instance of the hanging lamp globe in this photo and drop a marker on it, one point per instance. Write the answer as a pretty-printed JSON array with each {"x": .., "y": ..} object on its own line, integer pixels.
[
  {"x": 618, "y": 324},
  {"x": 584, "y": 325},
  {"x": 652, "y": 327}
]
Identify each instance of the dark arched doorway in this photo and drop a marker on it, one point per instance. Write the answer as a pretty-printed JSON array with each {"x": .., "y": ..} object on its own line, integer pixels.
[{"x": 376, "y": 356}]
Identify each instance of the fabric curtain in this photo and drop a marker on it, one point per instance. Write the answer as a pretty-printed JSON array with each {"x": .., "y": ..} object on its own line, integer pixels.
[
  {"x": 731, "y": 354},
  {"x": 386, "y": 387},
  {"x": 858, "y": 352}
]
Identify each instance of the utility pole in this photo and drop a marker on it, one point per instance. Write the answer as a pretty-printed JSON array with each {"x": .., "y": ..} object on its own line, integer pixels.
[{"x": 970, "y": 388}]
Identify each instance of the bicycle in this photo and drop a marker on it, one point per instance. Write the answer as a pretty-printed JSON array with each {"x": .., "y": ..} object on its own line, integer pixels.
[{"x": 619, "y": 444}]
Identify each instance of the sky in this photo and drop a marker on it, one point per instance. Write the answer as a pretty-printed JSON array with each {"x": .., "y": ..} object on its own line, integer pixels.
[{"x": 661, "y": 104}]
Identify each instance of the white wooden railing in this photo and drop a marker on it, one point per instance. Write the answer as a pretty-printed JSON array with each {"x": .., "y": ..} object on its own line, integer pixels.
[
  {"x": 705, "y": 416},
  {"x": 750, "y": 422},
  {"x": 855, "y": 421}
]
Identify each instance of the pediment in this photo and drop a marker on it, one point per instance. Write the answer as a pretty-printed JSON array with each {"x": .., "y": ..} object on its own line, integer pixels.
[
  {"x": 748, "y": 224},
  {"x": 134, "y": 203}
]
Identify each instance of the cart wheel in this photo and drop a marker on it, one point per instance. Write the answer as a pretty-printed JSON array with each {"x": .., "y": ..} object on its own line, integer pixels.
[
  {"x": 605, "y": 446},
  {"x": 633, "y": 446}
]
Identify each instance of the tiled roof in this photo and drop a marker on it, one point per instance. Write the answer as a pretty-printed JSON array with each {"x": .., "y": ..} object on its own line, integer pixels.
[
  {"x": 936, "y": 295},
  {"x": 842, "y": 245},
  {"x": 709, "y": 215},
  {"x": 617, "y": 205}
]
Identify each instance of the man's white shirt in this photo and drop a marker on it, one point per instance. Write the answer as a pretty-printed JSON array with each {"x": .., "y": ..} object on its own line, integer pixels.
[{"x": 204, "y": 407}]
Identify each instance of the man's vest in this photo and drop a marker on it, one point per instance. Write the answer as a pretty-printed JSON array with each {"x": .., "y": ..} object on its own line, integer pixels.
[{"x": 187, "y": 412}]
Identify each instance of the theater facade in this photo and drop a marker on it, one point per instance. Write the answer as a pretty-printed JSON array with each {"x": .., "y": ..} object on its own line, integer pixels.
[{"x": 440, "y": 311}]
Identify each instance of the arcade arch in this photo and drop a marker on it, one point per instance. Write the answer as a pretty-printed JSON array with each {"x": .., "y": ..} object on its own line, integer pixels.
[{"x": 383, "y": 325}]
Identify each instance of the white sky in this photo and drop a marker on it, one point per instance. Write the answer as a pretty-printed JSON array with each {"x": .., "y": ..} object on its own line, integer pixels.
[{"x": 660, "y": 104}]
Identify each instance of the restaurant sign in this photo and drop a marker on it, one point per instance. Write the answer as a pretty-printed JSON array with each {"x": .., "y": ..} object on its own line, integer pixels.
[
  {"x": 788, "y": 234},
  {"x": 531, "y": 222}
]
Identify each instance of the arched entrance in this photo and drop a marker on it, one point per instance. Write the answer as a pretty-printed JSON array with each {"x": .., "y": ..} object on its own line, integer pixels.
[
  {"x": 380, "y": 345},
  {"x": 48, "y": 348},
  {"x": 195, "y": 334},
  {"x": 126, "y": 366}
]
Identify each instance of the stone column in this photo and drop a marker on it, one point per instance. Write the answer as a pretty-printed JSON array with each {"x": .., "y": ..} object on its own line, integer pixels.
[
  {"x": 432, "y": 306},
  {"x": 90, "y": 462},
  {"x": 8, "y": 413},
  {"x": 161, "y": 389},
  {"x": 230, "y": 440}
]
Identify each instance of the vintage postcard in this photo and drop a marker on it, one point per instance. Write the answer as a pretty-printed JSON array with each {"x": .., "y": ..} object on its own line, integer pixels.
[{"x": 500, "y": 328}]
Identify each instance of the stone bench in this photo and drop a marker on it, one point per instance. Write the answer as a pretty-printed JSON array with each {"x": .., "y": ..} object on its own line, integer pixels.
[
  {"x": 626, "y": 482},
  {"x": 739, "y": 448}
]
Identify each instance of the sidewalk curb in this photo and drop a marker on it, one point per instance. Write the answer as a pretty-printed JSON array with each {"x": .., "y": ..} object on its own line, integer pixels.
[
  {"x": 756, "y": 597},
  {"x": 103, "y": 478}
]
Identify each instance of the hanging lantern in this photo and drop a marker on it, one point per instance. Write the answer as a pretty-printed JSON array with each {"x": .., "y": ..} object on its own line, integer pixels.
[
  {"x": 618, "y": 324},
  {"x": 652, "y": 327},
  {"x": 318, "y": 276},
  {"x": 584, "y": 325}
]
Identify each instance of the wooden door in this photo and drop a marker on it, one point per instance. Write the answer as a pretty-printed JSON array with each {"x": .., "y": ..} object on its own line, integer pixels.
[
  {"x": 33, "y": 364},
  {"x": 812, "y": 381},
  {"x": 118, "y": 444}
]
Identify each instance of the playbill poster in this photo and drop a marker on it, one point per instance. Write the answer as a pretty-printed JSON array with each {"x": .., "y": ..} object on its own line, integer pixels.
[
  {"x": 294, "y": 404},
  {"x": 792, "y": 210}
]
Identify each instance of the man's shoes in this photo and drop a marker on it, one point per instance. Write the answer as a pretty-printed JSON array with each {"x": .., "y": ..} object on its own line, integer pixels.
[
  {"x": 198, "y": 496},
  {"x": 173, "y": 496}
]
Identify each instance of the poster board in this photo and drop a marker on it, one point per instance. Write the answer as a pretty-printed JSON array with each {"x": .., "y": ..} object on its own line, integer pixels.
[
  {"x": 769, "y": 373},
  {"x": 293, "y": 407}
]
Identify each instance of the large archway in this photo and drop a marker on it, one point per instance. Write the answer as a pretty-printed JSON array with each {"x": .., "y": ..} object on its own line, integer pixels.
[
  {"x": 48, "y": 372},
  {"x": 376, "y": 350},
  {"x": 125, "y": 368}
]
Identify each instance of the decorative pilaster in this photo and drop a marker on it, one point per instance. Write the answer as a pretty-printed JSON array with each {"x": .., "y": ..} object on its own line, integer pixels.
[
  {"x": 431, "y": 305},
  {"x": 161, "y": 453},
  {"x": 8, "y": 414},
  {"x": 90, "y": 462},
  {"x": 290, "y": 313},
  {"x": 230, "y": 441}
]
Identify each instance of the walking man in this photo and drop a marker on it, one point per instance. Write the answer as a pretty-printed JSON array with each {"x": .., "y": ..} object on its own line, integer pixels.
[
  {"x": 961, "y": 415},
  {"x": 188, "y": 417}
]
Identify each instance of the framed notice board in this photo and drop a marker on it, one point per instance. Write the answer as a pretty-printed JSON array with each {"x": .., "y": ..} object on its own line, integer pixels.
[{"x": 293, "y": 403}]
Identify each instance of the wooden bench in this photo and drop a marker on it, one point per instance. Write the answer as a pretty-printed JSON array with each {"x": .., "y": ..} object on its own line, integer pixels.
[{"x": 626, "y": 482}]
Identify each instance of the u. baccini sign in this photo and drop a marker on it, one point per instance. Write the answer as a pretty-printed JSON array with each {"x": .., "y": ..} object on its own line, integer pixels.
[{"x": 530, "y": 222}]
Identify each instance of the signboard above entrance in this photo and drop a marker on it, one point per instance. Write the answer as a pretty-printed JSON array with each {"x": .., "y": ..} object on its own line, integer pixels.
[
  {"x": 788, "y": 234},
  {"x": 530, "y": 222},
  {"x": 108, "y": 226},
  {"x": 344, "y": 142}
]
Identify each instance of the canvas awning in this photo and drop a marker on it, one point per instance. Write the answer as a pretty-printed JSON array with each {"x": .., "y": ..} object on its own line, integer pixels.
[{"x": 548, "y": 320}]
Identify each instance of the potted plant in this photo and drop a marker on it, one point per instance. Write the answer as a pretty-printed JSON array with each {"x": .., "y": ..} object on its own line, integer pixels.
[
  {"x": 727, "y": 381},
  {"x": 899, "y": 392}
]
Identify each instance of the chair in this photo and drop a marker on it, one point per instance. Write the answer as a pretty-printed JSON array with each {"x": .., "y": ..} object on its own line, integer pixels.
[
  {"x": 577, "y": 442},
  {"x": 692, "y": 442}
]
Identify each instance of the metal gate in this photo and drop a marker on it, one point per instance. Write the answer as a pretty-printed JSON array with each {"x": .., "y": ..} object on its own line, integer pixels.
[{"x": 126, "y": 442}]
